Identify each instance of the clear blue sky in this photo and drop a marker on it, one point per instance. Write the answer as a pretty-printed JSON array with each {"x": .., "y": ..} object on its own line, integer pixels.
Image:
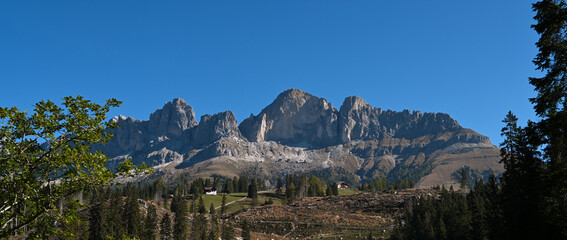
[{"x": 471, "y": 59}]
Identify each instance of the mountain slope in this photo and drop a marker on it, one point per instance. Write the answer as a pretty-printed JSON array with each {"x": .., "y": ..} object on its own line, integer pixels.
[{"x": 300, "y": 132}]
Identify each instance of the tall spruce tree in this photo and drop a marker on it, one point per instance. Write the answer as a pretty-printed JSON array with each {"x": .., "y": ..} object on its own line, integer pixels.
[
  {"x": 132, "y": 216},
  {"x": 116, "y": 210},
  {"x": 180, "y": 225},
  {"x": 223, "y": 206},
  {"x": 150, "y": 224},
  {"x": 245, "y": 230},
  {"x": 227, "y": 232},
  {"x": 98, "y": 225},
  {"x": 165, "y": 228},
  {"x": 464, "y": 180},
  {"x": 551, "y": 106}
]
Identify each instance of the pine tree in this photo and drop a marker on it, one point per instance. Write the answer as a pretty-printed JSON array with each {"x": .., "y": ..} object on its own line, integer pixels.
[
  {"x": 192, "y": 207},
  {"x": 180, "y": 225},
  {"x": 201, "y": 207},
  {"x": 464, "y": 180},
  {"x": 132, "y": 216},
  {"x": 334, "y": 188},
  {"x": 290, "y": 193},
  {"x": 245, "y": 230},
  {"x": 243, "y": 184},
  {"x": 165, "y": 228},
  {"x": 551, "y": 107},
  {"x": 253, "y": 189},
  {"x": 521, "y": 181},
  {"x": 212, "y": 209},
  {"x": 223, "y": 206},
  {"x": 235, "y": 182},
  {"x": 199, "y": 227},
  {"x": 98, "y": 225},
  {"x": 227, "y": 232},
  {"x": 228, "y": 187},
  {"x": 279, "y": 186},
  {"x": 214, "y": 231},
  {"x": 116, "y": 210},
  {"x": 151, "y": 224}
]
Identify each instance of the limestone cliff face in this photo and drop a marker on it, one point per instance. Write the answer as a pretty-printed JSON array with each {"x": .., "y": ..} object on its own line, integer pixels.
[
  {"x": 358, "y": 120},
  {"x": 215, "y": 127},
  {"x": 294, "y": 118},
  {"x": 301, "y": 132},
  {"x": 130, "y": 137},
  {"x": 175, "y": 117}
]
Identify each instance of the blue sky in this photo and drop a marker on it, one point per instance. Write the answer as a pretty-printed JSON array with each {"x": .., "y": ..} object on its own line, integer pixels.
[{"x": 471, "y": 59}]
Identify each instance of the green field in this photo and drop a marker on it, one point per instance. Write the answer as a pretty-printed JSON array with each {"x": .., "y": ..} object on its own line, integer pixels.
[
  {"x": 242, "y": 201},
  {"x": 349, "y": 191}
]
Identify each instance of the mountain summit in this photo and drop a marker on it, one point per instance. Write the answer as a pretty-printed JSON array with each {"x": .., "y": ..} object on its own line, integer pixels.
[{"x": 300, "y": 132}]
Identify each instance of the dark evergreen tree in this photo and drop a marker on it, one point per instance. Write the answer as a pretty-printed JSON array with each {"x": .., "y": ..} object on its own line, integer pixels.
[
  {"x": 253, "y": 189},
  {"x": 150, "y": 224},
  {"x": 290, "y": 193},
  {"x": 464, "y": 180},
  {"x": 334, "y": 188},
  {"x": 165, "y": 228},
  {"x": 201, "y": 207},
  {"x": 227, "y": 232},
  {"x": 192, "y": 207},
  {"x": 214, "y": 231},
  {"x": 243, "y": 184},
  {"x": 228, "y": 187},
  {"x": 212, "y": 209},
  {"x": 208, "y": 183},
  {"x": 235, "y": 182},
  {"x": 551, "y": 107},
  {"x": 521, "y": 182},
  {"x": 199, "y": 227},
  {"x": 180, "y": 225},
  {"x": 98, "y": 224},
  {"x": 133, "y": 217},
  {"x": 217, "y": 183},
  {"x": 223, "y": 206},
  {"x": 116, "y": 210},
  {"x": 279, "y": 186},
  {"x": 245, "y": 230}
]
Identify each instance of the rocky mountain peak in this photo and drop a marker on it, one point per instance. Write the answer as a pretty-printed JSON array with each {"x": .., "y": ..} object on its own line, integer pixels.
[
  {"x": 292, "y": 100},
  {"x": 214, "y": 127},
  {"x": 355, "y": 103},
  {"x": 295, "y": 117},
  {"x": 171, "y": 120},
  {"x": 301, "y": 132}
]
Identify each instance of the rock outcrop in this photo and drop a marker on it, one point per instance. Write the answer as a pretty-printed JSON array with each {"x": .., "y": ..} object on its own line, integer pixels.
[
  {"x": 295, "y": 118},
  {"x": 213, "y": 128},
  {"x": 174, "y": 118},
  {"x": 358, "y": 120}
]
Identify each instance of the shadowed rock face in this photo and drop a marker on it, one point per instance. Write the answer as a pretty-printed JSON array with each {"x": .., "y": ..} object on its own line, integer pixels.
[
  {"x": 360, "y": 121},
  {"x": 301, "y": 132},
  {"x": 175, "y": 117},
  {"x": 215, "y": 127},
  {"x": 294, "y": 118}
]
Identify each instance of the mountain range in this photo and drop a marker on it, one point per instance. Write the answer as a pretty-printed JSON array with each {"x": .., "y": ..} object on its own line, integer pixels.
[{"x": 299, "y": 132}]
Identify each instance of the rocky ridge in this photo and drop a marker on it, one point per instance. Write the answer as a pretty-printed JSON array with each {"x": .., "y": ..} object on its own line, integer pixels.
[{"x": 301, "y": 132}]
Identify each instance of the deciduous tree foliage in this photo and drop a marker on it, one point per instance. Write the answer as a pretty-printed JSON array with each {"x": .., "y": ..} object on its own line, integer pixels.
[{"x": 46, "y": 157}]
